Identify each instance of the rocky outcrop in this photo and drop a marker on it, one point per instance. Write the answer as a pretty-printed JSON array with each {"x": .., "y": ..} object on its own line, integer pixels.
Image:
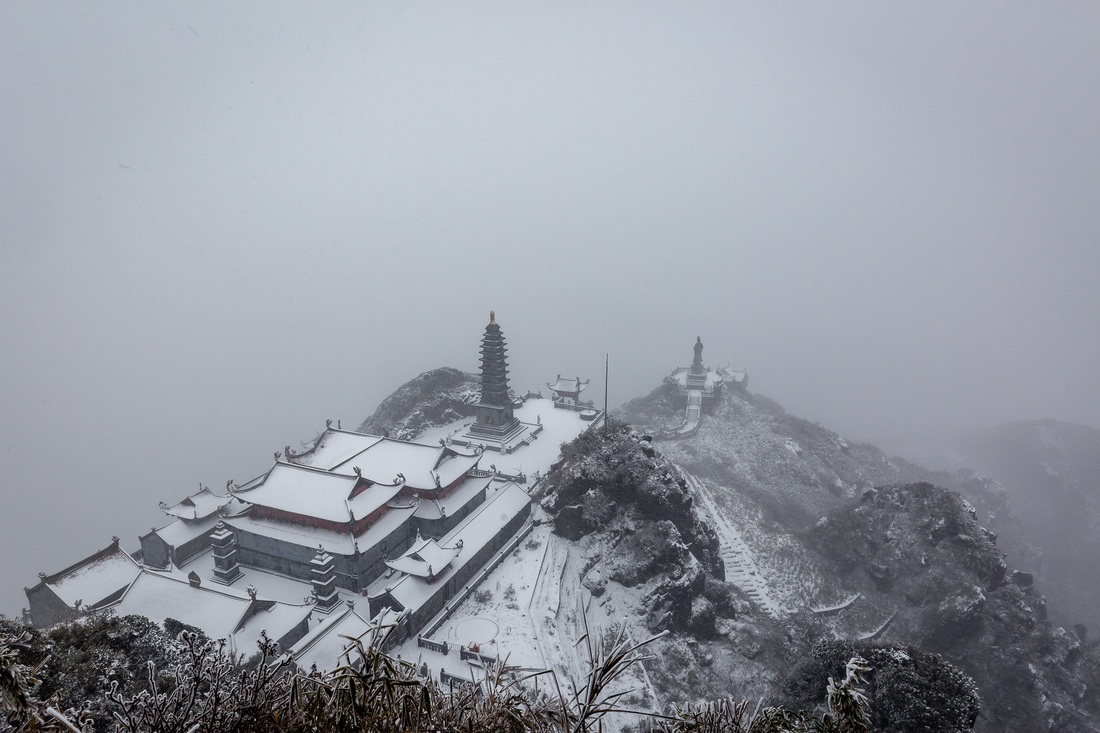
[
  {"x": 919, "y": 550},
  {"x": 434, "y": 398},
  {"x": 616, "y": 491},
  {"x": 617, "y": 474}
]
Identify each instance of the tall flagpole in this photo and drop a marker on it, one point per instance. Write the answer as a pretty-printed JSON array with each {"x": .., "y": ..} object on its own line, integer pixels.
[{"x": 606, "y": 366}]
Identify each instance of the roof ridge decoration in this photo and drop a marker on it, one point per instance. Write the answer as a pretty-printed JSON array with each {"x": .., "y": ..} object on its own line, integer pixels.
[
  {"x": 188, "y": 508},
  {"x": 303, "y": 467},
  {"x": 110, "y": 549}
]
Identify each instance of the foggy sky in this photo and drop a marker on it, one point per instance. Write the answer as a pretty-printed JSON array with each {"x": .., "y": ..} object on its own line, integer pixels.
[{"x": 222, "y": 225}]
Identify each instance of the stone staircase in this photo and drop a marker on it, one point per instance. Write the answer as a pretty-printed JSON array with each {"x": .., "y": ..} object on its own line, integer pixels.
[{"x": 740, "y": 567}]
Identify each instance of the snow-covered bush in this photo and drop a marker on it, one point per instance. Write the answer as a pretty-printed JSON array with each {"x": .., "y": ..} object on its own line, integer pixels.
[{"x": 908, "y": 690}]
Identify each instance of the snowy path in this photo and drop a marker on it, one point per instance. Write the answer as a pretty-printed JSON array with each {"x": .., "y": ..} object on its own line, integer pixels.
[
  {"x": 545, "y": 609},
  {"x": 556, "y": 610},
  {"x": 740, "y": 567}
]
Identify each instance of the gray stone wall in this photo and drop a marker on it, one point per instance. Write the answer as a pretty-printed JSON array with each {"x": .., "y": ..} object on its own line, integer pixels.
[
  {"x": 188, "y": 550},
  {"x": 47, "y": 608},
  {"x": 155, "y": 552},
  {"x": 294, "y": 634},
  {"x": 266, "y": 553},
  {"x": 353, "y": 572}
]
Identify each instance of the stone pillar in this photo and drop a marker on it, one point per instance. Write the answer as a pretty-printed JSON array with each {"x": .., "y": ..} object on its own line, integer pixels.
[
  {"x": 323, "y": 573},
  {"x": 227, "y": 567}
]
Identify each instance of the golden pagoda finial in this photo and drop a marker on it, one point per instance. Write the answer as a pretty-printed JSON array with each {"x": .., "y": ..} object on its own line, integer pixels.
[{"x": 492, "y": 317}]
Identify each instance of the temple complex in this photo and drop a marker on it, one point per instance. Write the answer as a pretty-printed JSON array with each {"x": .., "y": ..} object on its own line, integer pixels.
[{"x": 405, "y": 527}]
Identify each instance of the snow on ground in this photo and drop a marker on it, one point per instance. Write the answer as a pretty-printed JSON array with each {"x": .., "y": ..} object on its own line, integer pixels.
[
  {"x": 511, "y": 604},
  {"x": 505, "y": 600},
  {"x": 740, "y": 566},
  {"x": 531, "y": 610},
  {"x": 558, "y": 426},
  {"x": 753, "y": 446},
  {"x": 763, "y": 559}
]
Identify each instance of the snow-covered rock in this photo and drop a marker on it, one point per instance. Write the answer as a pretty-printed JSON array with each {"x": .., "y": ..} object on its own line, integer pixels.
[{"x": 434, "y": 398}]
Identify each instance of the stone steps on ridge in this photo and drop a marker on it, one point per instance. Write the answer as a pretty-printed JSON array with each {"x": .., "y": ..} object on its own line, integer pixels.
[{"x": 735, "y": 553}]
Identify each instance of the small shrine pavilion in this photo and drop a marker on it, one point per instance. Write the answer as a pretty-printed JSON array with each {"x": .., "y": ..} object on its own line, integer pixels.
[{"x": 567, "y": 392}]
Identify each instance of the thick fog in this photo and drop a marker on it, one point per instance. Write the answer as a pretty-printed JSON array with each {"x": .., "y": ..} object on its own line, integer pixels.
[{"x": 222, "y": 225}]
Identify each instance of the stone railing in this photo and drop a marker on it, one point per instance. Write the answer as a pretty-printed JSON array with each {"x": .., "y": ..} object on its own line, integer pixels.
[
  {"x": 435, "y": 646},
  {"x": 466, "y": 654},
  {"x": 561, "y": 404},
  {"x": 452, "y": 680}
]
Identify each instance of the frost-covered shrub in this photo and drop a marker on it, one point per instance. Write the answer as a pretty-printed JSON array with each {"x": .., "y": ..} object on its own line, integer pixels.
[
  {"x": 78, "y": 662},
  {"x": 910, "y": 691},
  {"x": 200, "y": 688}
]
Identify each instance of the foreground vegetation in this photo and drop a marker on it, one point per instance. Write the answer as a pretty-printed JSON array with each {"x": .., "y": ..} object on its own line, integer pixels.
[{"x": 127, "y": 674}]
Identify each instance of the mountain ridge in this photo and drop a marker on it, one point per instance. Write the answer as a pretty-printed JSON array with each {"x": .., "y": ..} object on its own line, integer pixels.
[{"x": 818, "y": 538}]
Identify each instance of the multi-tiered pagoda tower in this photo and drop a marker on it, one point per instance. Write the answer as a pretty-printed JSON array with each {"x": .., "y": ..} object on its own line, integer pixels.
[{"x": 495, "y": 419}]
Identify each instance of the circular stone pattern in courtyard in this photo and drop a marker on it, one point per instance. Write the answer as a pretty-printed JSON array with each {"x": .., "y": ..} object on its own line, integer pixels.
[{"x": 476, "y": 630}]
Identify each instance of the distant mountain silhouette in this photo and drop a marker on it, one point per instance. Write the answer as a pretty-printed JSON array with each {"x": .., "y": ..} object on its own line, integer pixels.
[{"x": 1051, "y": 473}]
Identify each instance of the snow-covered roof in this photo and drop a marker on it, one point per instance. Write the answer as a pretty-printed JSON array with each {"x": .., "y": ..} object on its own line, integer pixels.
[
  {"x": 180, "y": 532},
  {"x": 221, "y": 612},
  {"x": 234, "y": 507},
  {"x": 474, "y": 532},
  {"x": 424, "y": 558},
  {"x": 313, "y": 492},
  {"x": 568, "y": 385},
  {"x": 735, "y": 376},
  {"x": 420, "y": 464},
  {"x": 159, "y": 596},
  {"x": 341, "y": 543},
  {"x": 452, "y": 502},
  {"x": 273, "y": 617},
  {"x": 325, "y": 645},
  {"x": 203, "y": 503},
  {"x": 336, "y": 446},
  {"x": 270, "y": 585},
  {"x": 91, "y": 582}
]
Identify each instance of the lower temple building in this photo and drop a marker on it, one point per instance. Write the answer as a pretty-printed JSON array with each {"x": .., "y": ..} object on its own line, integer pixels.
[{"x": 402, "y": 526}]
